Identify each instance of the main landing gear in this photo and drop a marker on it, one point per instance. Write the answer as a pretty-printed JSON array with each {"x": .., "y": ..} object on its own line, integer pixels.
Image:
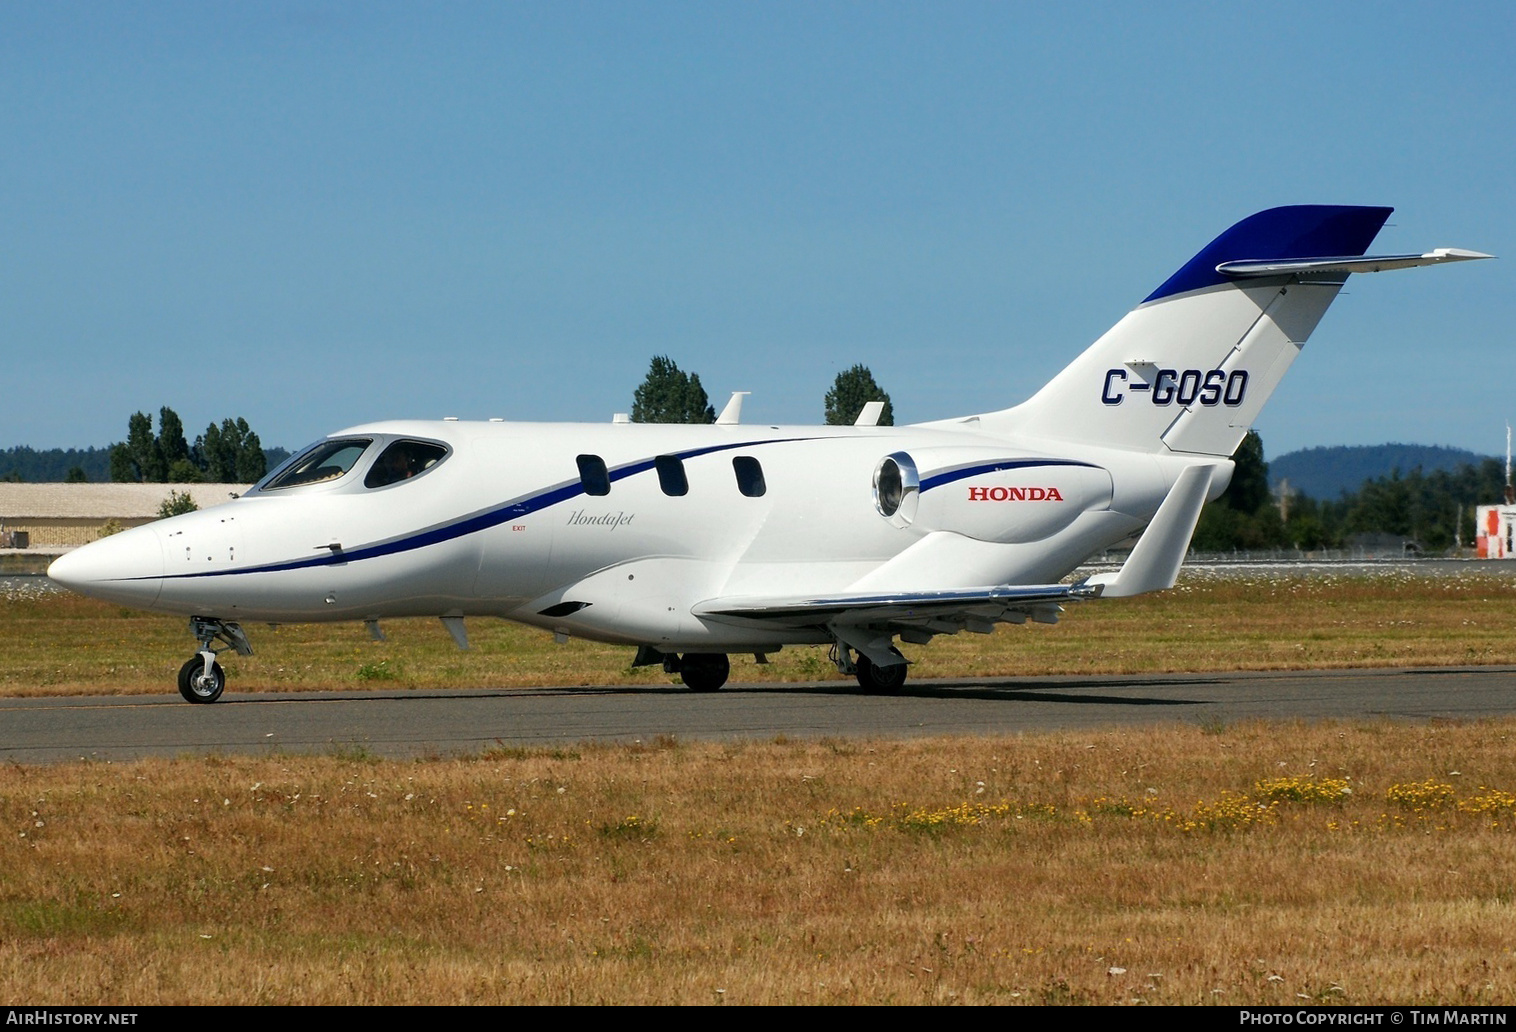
[
  {"x": 704, "y": 671},
  {"x": 201, "y": 678},
  {"x": 700, "y": 671},
  {"x": 708, "y": 671},
  {"x": 873, "y": 678},
  {"x": 880, "y": 680}
]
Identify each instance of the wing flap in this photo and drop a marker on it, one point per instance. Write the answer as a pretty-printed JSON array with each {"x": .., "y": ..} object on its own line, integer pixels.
[{"x": 892, "y": 608}]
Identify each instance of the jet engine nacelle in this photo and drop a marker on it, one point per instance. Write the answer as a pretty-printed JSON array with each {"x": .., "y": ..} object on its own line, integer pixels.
[{"x": 986, "y": 494}]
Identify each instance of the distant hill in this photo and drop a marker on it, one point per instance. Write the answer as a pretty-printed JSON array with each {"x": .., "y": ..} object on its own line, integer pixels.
[
  {"x": 1325, "y": 473},
  {"x": 51, "y": 465}
]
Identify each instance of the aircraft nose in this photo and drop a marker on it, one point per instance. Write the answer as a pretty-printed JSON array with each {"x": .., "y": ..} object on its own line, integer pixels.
[{"x": 125, "y": 567}]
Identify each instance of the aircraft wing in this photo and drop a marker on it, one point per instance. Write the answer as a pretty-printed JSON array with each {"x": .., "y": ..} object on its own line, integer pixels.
[
  {"x": 939, "y": 610},
  {"x": 868, "y": 620}
]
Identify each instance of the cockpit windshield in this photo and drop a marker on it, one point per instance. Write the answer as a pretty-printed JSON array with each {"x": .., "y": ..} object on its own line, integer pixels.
[{"x": 321, "y": 463}]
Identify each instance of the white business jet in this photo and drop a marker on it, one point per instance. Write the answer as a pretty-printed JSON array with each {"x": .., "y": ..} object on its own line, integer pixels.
[{"x": 694, "y": 542}]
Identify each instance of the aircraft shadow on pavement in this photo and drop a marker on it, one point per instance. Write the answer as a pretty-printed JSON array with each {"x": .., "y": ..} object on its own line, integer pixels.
[{"x": 978, "y": 690}]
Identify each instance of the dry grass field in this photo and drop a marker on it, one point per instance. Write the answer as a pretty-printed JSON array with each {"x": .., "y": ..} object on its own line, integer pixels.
[
  {"x": 1335, "y": 864},
  {"x": 1350, "y": 863},
  {"x": 57, "y": 644}
]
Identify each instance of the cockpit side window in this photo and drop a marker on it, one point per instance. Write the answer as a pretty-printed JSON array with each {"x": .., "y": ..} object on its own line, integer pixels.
[
  {"x": 403, "y": 460},
  {"x": 321, "y": 463}
]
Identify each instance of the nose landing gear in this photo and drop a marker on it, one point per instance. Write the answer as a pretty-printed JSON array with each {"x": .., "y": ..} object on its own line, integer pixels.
[{"x": 201, "y": 679}]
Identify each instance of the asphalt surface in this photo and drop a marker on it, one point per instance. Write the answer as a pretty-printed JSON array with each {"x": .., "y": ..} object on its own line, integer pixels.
[{"x": 463, "y": 721}]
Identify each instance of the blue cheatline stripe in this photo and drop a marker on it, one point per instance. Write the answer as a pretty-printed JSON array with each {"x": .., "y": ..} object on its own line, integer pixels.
[
  {"x": 472, "y": 524},
  {"x": 950, "y": 476}
]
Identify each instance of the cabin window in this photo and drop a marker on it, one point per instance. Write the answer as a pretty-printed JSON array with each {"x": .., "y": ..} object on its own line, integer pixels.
[
  {"x": 321, "y": 463},
  {"x": 593, "y": 475},
  {"x": 671, "y": 475},
  {"x": 403, "y": 460},
  {"x": 749, "y": 476}
]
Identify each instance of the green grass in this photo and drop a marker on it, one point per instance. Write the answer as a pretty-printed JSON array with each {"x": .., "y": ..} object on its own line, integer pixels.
[{"x": 1166, "y": 865}]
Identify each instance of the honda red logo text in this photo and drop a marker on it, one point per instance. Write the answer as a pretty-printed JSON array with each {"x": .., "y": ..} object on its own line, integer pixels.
[{"x": 1014, "y": 494}]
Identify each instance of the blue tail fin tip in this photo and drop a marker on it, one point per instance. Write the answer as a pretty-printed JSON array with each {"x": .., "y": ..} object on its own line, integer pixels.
[{"x": 1295, "y": 231}]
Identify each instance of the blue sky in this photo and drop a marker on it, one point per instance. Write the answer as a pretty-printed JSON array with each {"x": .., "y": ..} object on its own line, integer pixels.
[{"x": 317, "y": 214}]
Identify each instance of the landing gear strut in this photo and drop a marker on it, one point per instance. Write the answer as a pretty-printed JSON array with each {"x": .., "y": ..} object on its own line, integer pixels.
[{"x": 201, "y": 679}]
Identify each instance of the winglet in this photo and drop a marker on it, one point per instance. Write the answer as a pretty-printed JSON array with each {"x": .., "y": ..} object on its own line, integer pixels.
[
  {"x": 1154, "y": 563},
  {"x": 732, "y": 414},
  {"x": 869, "y": 414}
]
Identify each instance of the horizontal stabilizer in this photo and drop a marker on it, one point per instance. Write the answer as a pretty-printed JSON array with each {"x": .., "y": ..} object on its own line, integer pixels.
[
  {"x": 1154, "y": 563},
  {"x": 1366, "y": 263}
]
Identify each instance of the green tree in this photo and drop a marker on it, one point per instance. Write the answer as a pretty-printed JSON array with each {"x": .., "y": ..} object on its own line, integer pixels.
[
  {"x": 171, "y": 443},
  {"x": 1308, "y": 528},
  {"x": 1249, "y": 490},
  {"x": 669, "y": 395},
  {"x": 143, "y": 450},
  {"x": 1244, "y": 516},
  {"x": 76, "y": 475},
  {"x": 853, "y": 389},
  {"x": 251, "y": 462},
  {"x": 185, "y": 472},
  {"x": 230, "y": 453},
  {"x": 123, "y": 470},
  {"x": 177, "y": 504},
  {"x": 209, "y": 455}
]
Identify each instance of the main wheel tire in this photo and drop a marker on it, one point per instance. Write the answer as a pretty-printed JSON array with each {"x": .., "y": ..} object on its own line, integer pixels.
[
  {"x": 195, "y": 686},
  {"x": 880, "y": 680},
  {"x": 704, "y": 671}
]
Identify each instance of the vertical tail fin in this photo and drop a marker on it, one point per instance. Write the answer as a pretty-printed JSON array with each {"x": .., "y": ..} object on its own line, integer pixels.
[{"x": 1189, "y": 369}]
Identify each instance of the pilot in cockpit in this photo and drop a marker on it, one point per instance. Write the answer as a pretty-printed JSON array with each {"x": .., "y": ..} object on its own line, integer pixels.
[{"x": 401, "y": 461}]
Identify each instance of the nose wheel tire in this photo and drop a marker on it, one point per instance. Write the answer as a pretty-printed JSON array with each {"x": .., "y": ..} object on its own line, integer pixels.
[
  {"x": 880, "y": 680},
  {"x": 196, "y": 686},
  {"x": 704, "y": 671}
]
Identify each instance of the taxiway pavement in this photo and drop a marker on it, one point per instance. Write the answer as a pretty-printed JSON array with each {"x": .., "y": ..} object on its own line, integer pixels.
[{"x": 469, "y": 721}]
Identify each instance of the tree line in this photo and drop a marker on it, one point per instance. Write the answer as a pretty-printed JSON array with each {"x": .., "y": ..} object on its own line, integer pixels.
[
  {"x": 1435, "y": 510},
  {"x": 670, "y": 395},
  {"x": 227, "y": 454}
]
